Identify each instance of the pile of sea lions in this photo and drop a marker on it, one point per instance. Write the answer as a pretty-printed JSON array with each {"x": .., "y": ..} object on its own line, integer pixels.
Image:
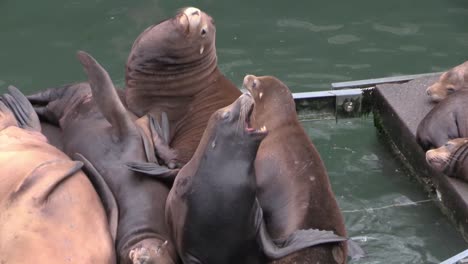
[
  {"x": 178, "y": 167},
  {"x": 443, "y": 132}
]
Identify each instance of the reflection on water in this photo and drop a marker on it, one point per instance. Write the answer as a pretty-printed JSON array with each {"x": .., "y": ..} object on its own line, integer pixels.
[{"x": 385, "y": 211}]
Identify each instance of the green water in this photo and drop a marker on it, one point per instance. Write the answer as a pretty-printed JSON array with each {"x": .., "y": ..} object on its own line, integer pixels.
[{"x": 307, "y": 44}]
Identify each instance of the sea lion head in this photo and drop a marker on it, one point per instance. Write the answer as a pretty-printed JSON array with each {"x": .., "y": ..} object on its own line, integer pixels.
[
  {"x": 449, "y": 82},
  {"x": 443, "y": 157},
  {"x": 230, "y": 128},
  {"x": 183, "y": 39},
  {"x": 274, "y": 103},
  {"x": 234, "y": 120}
]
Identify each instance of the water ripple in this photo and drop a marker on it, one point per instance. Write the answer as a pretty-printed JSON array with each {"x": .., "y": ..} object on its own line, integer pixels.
[
  {"x": 293, "y": 23},
  {"x": 461, "y": 11},
  {"x": 227, "y": 67},
  {"x": 311, "y": 75},
  {"x": 231, "y": 51},
  {"x": 404, "y": 30},
  {"x": 343, "y": 39},
  {"x": 353, "y": 66},
  {"x": 413, "y": 48}
]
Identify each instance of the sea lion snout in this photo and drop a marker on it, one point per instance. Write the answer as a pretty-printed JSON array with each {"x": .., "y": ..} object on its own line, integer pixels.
[
  {"x": 192, "y": 18},
  {"x": 150, "y": 251},
  {"x": 437, "y": 158}
]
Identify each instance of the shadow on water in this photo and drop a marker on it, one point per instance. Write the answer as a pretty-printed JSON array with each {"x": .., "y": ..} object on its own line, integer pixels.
[{"x": 308, "y": 45}]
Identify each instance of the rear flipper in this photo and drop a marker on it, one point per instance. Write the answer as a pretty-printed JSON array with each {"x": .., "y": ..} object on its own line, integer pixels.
[
  {"x": 22, "y": 109},
  {"x": 154, "y": 170},
  {"x": 354, "y": 250},
  {"x": 7, "y": 118},
  {"x": 160, "y": 135},
  {"x": 104, "y": 192},
  {"x": 298, "y": 240}
]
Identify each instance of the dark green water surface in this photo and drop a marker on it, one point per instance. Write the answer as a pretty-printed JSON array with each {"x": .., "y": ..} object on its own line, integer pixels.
[{"x": 307, "y": 44}]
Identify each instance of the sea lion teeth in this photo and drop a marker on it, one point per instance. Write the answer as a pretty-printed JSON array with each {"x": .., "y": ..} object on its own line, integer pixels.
[
  {"x": 202, "y": 49},
  {"x": 260, "y": 95}
]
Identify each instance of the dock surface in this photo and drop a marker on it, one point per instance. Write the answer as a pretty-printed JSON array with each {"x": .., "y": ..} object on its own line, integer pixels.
[{"x": 398, "y": 110}]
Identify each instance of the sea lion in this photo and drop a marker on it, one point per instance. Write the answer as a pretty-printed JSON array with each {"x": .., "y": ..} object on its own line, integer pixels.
[
  {"x": 447, "y": 120},
  {"x": 293, "y": 186},
  {"x": 49, "y": 210},
  {"x": 451, "y": 158},
  {"x": 172, "y": 68},
  {"x": 212, "y": 210},
  {"x": 96, "y": 125},
  {"x": 449, "y": 82}
]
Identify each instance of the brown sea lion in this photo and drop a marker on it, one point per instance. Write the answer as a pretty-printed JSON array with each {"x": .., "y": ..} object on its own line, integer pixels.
[
  {"x": 449, "y": 82},
  {"x": 96, "y": 125},
  {"x": 293, "y": 186},
  {"x": 172, "y": 68},
  {"x": 49, "y": 211},
  {"x": 212, "y": 209},
  {"x": 451, "y": 158},
  {"x": 447, "y": 120}
]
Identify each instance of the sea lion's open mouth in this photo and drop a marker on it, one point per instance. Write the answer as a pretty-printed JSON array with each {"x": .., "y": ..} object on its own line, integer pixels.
[{"x": 248, "y": 122}]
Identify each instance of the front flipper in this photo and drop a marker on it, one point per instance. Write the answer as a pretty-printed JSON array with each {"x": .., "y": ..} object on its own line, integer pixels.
[
  {"x": 106, "y": 97},
  {"x": 104, "y": 192},
  {"x": 22, "y": 109},
  {"x": 154, "y": 170},
  {"x": 50, "y": 104},
  {"x": 298, "y": 240},
  {"x": 160, "y": 135}
]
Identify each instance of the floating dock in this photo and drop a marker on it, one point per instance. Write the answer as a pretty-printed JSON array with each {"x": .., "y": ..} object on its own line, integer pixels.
[
  {"x": 398, "y": 109},
  {"x": 398, "y": 105}
]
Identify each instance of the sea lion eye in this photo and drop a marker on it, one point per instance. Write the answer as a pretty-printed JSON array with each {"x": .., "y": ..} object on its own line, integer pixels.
[
  {"x": 254, "y": 84},
  {"x": 203, "y": 32},
  {"x": 450, "y": 90},
  {"x": 225, "y": 115}
]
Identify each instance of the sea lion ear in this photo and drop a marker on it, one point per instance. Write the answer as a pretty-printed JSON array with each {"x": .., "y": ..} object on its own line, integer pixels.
[{"x": 106, "y": 96}]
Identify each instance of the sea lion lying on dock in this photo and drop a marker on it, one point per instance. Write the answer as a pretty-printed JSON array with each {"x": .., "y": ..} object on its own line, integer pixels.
[
  {"x": 449, "y": 82},
  {"x": 49, "y": 210},
  {"x": 451, "y": 158},
  {"x": 99, "y": 131},
  {"x": 447, "y": 120}
]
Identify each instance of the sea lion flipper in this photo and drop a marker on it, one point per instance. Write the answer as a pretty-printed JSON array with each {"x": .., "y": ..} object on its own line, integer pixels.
[
  {"x": 53, "y": 173},
  {"x": 106, "y": 97},
  {"x": 153, "y": 170},
  {"x": 160, "y": 135},
  {"x": 298, "y": 240},
  {"x": 165, "y": 127},
  {"x": 7, "y": 118},
  {"x": 104, "y": 192},
  {"x": 22, "y": 108},
  {"x": 354, "y": 250}
]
